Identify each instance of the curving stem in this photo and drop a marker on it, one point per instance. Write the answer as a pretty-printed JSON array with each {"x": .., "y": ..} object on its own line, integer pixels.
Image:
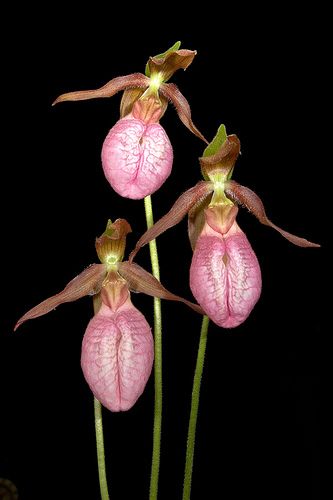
[
  {"x": 100, "y": 450},
  {"x": 194, "y": 409},
  {"x": 155, "y": 464}
]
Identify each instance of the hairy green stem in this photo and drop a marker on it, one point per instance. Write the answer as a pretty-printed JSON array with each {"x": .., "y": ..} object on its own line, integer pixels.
[
  {"x": 99, "y": 430},
  {"x": 194, "y": 409},
  {"x": 155, "y": 464},
  {"x": 100, "y": 450}
]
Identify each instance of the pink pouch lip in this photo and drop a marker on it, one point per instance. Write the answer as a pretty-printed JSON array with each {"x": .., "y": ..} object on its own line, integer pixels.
[
  {"x": 225, "y": 276},
  {"x": 117, "y": 356},
  {"x": 136, "y": 157}
]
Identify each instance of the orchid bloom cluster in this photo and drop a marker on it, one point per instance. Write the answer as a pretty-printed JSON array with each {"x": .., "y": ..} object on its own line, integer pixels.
[
  {"x": 117, "y": 349},
  {"x": 225, "y": 278}
]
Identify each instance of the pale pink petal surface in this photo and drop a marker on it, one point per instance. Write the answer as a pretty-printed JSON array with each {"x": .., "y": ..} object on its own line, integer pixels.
[
  {"x": 225, "y": 276},
  {"x": 136, "y": 157},
  {"x": 117, "y": 356}
]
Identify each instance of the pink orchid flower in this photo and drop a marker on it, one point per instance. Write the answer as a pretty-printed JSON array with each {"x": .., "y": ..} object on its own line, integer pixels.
[
  {"x": 137, "y": 155},
  {"x": 117, "y": 349},
  {"x": 225, "y": 276}
]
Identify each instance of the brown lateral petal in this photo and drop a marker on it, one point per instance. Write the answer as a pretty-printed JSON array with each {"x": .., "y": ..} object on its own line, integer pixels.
[
  {"x": 224, "y": 159},
  {"x": 245, "y": 196},
  {"x": 168, "y": 65},
  {"x": 140, "y": 280},
  {"x": 136, "y": 80},
  {"x": 89, "y": 282},
  {"x": 178, "y": 211},
  {"x": 171, "y": 92}
]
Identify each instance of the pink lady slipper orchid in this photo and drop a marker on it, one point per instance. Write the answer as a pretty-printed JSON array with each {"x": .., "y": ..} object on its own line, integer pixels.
[
  {"x": 117, "y": 348},
  {"x": 225, "y": 276},
  {"x": 137, "y": 154}
]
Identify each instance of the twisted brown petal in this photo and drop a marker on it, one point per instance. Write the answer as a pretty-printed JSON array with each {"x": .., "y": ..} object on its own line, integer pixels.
[
  {"x": 112, "y": 243},
  {"x": 178, "y": 211},
  {"x": 171, "y": 92},
  {"x": 89, "y": 282},
  {"x": 170, "y": 63},
  {"x": 135, "y": 80},
  {"x": 244, "y": 196},
  {"x": 140, "y": 280},
  {"x": 224, "y": 159}
]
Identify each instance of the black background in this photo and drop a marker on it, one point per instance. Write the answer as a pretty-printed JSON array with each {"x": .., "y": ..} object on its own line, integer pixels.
[{"x": 258, "y": 430}]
